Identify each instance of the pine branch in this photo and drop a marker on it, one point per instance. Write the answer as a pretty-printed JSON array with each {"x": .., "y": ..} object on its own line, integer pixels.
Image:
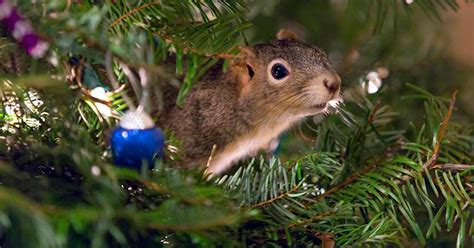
[
  {"x": 390, "y": 151},
  {"x": 170, "y": 40},
  {"x": 354, "y": 177},
  {"x": 430, "y": 164},
  {"x": 369, "y": 190}
]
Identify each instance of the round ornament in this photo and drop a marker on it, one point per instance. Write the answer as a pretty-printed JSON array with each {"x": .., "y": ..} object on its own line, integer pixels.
[{"x": 136, "y": 141}]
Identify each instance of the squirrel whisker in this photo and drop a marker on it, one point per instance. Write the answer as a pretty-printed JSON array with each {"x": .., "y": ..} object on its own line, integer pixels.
[
  {"x": 291, "y": 105},
  {"x": 278, "y": 105}
]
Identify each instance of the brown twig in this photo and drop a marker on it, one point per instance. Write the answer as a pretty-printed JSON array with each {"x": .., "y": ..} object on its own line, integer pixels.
[
  {"x": 453, "y": 167},
  {"x": 371, "y": 118},
  {"x": 439, "y": 138},
  {"x": 342, "y": 185},
  {"x": 260, "y": 204},
  {"x": 187, "y": 49},
  {"x": 165, "y": 191},
  {"x": 131, "y": 12},
  {"x": 311, "y": 219},
  {"x": 223, "y": 221}
]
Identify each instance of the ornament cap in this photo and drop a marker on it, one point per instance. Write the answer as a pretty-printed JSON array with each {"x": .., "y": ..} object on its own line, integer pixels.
[{"x": 136, "y": 120}]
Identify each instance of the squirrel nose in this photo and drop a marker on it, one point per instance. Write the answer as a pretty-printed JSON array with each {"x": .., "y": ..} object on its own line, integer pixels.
[{"x": 332, "y": 83}]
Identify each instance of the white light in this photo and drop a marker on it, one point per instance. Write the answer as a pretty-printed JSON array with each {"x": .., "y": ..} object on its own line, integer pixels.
[
  {"x": 374, "y": 82},
  {"x": 101, "y": 94},
  {"x": 95, "y": 170},
  {"x": 53, "y": 59},
  {"x": 372, "y": 87}
]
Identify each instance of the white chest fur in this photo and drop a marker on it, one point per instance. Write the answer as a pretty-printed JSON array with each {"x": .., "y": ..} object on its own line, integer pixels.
[{"x": 247, "y": 145}]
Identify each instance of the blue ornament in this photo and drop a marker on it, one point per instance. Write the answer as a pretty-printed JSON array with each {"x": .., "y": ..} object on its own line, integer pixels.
[{"x": 136, "y": 141}]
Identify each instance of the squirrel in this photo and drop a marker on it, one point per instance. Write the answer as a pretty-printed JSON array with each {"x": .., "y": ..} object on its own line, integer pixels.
[{"x": 236, "y": 113}]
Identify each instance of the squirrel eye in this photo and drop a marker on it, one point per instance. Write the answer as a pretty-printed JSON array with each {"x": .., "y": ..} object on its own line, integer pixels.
[{"x": 279, "y": 71}]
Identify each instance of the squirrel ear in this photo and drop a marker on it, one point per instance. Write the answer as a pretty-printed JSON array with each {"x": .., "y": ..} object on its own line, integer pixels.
[
  {"x": 244, "y": 64},
  {"x": 243, "y": 68},
  {"x": 285, "y": 34}
]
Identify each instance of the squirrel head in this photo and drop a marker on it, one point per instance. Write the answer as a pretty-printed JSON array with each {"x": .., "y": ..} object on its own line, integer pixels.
[{"x": 286, "y": 77}]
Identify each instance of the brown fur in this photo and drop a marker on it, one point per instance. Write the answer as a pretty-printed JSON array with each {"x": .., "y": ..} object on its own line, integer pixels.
[{"x": 240, "y": 114}]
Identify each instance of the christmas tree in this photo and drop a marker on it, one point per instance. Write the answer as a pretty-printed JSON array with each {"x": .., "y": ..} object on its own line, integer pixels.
[{"x": 391, "y": 166}]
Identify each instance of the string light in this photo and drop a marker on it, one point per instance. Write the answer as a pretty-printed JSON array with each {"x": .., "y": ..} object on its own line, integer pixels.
[
  {"x": 373, "y": 80},
  {"x": 373, "y": 83}
]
